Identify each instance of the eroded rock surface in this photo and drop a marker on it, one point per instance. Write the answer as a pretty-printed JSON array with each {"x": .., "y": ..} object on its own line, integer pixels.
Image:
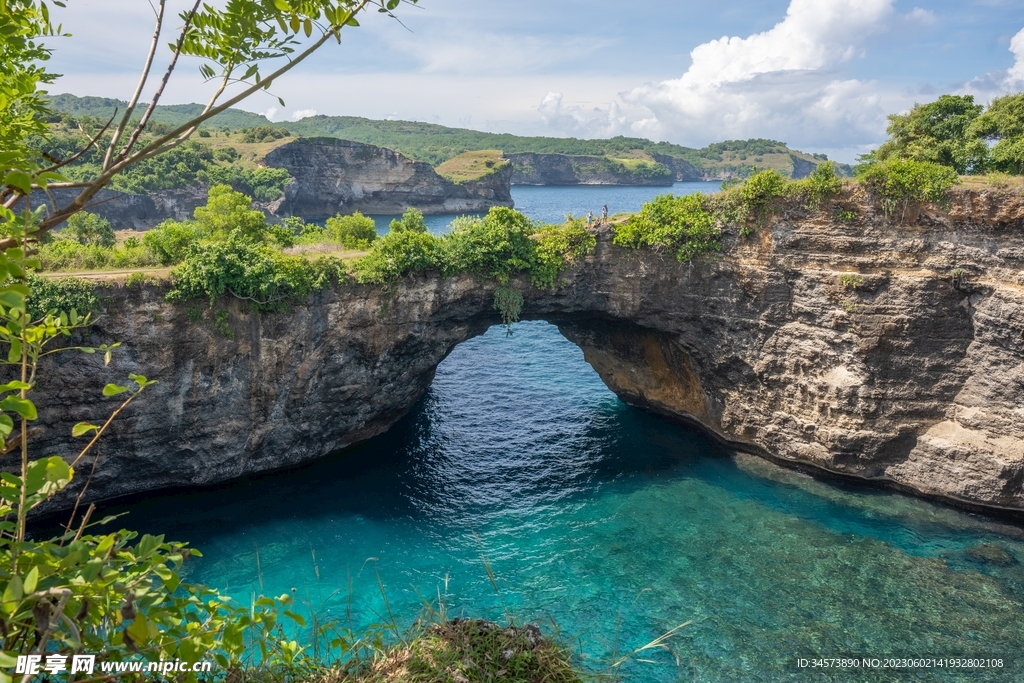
[
  {"x": 332, "y": 176},
  {"x": 867, "y": 348}
]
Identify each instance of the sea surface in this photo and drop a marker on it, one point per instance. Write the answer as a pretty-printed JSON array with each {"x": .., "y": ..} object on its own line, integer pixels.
[
  {"x": 611, "y": 527},
  {"x": 613, "y": 524},
  {"x": 553, "y": 204}
]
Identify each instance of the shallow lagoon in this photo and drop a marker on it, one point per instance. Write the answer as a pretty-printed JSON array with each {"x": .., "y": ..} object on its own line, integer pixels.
[{"x": 616, "y": 525}]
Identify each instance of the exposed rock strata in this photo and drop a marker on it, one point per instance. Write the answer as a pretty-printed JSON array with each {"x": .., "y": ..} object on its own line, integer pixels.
[
  {"x": 534, "y": 168},
  {"x": 910, "y": 369},
  {"x": 135, "y": 211},
  {"x": 332, "y": 176}
]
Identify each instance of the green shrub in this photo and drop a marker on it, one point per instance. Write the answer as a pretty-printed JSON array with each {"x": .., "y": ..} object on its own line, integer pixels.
[
  {"x": 88, "y": 228},
  {"x": 397, "y": 254},
  {"x": 353, "y": 232},
  {"x": 64, "y": 294},
  {"x": 227, "y": 211},
  {"x": 171, "y": 240},
  {"x": 905, "y": 181},
  {"x": 681, "y": 224},
  {"x": 252, "y": 272},
  {"x": 558, "y": 247},
  {"x": 411, "y": 221},
  {"x": 851, "y": 281},
  {"x": 760, "y": 190},
  {"x": 68, "y": 255},
  {"x": 821, "y": 185},
  {"x": 496, "y": 245}
]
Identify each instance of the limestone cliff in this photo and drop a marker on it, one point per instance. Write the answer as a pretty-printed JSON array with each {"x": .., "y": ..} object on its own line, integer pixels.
[
  {"x": 332, "y": 176},
  {"x": 872, "y": 348},
  {"x": 533, "y": 168}
]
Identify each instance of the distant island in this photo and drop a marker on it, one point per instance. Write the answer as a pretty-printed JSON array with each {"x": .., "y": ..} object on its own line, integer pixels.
[{"x": 436, "y": 169}]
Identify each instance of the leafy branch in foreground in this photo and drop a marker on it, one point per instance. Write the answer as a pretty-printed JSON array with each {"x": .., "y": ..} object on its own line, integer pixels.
[{"x": 235, "y": 41}]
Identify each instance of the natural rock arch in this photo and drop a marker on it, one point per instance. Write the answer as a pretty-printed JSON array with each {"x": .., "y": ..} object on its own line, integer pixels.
[{"x": 904, "y": 374}]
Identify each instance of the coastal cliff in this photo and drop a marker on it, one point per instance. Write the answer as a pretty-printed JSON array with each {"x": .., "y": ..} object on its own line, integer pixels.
[
  {"x": 332, "y": 176},
  {"x": 882, "y": 349},
  {"x": 533, "y": 168}
]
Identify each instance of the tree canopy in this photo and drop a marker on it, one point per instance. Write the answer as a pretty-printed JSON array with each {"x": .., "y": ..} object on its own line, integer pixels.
[{"x": 954, "y": 131}]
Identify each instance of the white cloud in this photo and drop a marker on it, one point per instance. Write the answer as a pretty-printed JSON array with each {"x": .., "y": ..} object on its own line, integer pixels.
[
  {"x": 301, "y": 114},
  {"x": 1015, "y": 75},
  {"x": 579, "y": 120},
  {"x": 270, "y": 113},
  {"x": 922, "y": 16},
  {"x": 785, "y": 83},
  {"x": 782, "y": 83},
  {"x": 997, "y": 83}
]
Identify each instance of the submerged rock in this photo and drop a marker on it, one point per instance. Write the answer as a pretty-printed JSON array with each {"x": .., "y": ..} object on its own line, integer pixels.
[{"x": 991, "y": 553}]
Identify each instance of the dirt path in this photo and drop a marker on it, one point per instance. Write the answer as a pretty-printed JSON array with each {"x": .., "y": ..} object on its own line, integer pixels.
[{"x": 103, "y": 275}]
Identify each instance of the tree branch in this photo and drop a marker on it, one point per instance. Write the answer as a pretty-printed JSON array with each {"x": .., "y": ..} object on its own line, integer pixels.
[{"x": 138, "y": 89}]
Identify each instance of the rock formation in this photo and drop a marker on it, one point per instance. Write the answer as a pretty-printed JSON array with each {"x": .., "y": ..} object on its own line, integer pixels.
[
  {"x": 880, "y": 349},
  {"x": 533, "y": 168},
  {"x": 332, "y": 176}
]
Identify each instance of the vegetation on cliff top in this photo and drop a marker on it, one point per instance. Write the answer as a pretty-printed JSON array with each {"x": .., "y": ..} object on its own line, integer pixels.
[
  {"x": 955, "y": 132},
  {"x": 437, "y": 144},
  {"x": 472, "y": 165}
]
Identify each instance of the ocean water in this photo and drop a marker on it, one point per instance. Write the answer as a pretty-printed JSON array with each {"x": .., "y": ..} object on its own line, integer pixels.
[
  {"x": 614, "y": 525},
  {"x": 552, "y": 204}
]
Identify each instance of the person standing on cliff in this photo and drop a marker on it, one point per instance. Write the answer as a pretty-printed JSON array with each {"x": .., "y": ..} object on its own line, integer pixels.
[
  {"x": 604, "y": 214},
  {"x": 590, "y": 218}
]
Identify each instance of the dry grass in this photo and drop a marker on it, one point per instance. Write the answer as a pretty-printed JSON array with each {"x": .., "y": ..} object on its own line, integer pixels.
[
  {"x": 1001, "y": 181},
  {"x": 472, "y": 165}
]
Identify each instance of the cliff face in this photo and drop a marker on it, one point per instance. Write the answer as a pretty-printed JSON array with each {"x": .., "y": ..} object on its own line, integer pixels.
[
  {"x": 682, "y": 170},
  {"x": 332, "y": 176},
  {"x": 139, "y": 212},
  {"x": 866, "y": 348},
  {"x": 532, "y": 168}
]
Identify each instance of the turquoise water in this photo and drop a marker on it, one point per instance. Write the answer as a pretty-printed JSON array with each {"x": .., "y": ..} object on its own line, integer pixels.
[
  {"x": 551, "y": 204},
  {"x": 616, "y": 525}
]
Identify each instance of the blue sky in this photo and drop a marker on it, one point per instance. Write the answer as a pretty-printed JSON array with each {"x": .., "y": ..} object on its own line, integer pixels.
[{"x": 818, "y": 74}]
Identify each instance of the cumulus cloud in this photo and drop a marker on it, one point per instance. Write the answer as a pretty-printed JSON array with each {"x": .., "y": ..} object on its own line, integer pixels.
[
  {"x": 1015, "y": 75},
  {"x": 996, "y": 83},
  {"x": 581, "y": 121},
  {"x": 299, "y": 114},
  {"x": 270, "y": 113},
  {"x": 784, "y": 83}
]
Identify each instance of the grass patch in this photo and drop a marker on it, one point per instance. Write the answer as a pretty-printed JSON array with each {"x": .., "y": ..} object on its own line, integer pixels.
[
  {"x": 470, "y": 166},
  {"x": 468, "y": 650}
]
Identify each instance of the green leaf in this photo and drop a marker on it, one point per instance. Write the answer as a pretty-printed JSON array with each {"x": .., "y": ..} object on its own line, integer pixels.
[
  {"x": 6, "y": 426},
  {"x": 14, "y": 354},
  {"x": 307, "y": 27},
  {"x": 110, "y": 390},
  {"x": 57, "y": 471},
  {"x": 21, "y": 406},
  {"x": 297, "y": 618},
  {"x": 7, "y": 661},
  {"x": 31, "y": 580},
  {"x": 139, "y": 629},
  {"x": 12, "y": 594},
  {"x": 15, "y": 385},
  {"x": 83, "y": 428},
  {"x": 352, "y": 22},
  {"x": 19, "y": 180},
  {"x": 12, "y": 299}
]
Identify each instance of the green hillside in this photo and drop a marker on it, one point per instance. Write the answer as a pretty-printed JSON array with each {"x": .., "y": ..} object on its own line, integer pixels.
[{"x": 437, "y": 144}]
